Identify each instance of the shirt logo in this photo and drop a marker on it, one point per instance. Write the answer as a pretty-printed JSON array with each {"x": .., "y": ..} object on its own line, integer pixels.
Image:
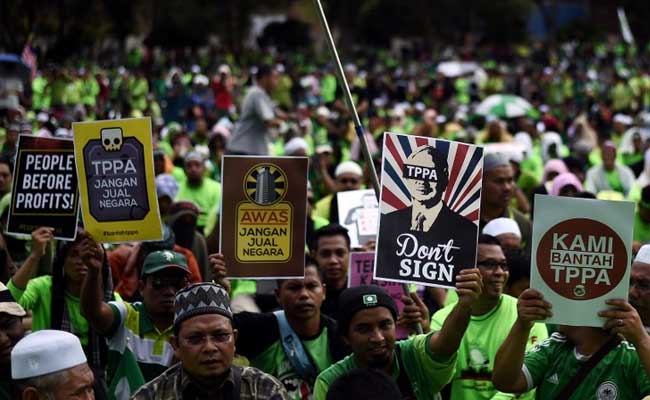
[
  {"x": 607, "y": 391},
  {"x": 553, "y": 379},
  {"x": 370, "y": 300}
]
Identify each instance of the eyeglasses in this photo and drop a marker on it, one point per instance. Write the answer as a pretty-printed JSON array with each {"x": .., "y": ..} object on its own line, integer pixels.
[
  {"x": 201, "y": 340},
  {"x": 162, "y": 283},
  {"x": 493, "y": 264}
]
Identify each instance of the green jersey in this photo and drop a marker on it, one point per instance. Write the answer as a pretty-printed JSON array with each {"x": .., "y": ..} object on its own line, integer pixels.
[
  {"x": 552, "y": 364},
  {"x": 483, "y": 337},
  {"x": 206, "y": 196},
  {"x": 426, "y": 372}
]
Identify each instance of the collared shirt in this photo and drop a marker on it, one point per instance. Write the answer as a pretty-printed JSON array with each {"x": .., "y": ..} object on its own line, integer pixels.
[
  {"x": 137, "y": 351},
  {"x": 175, "y": 384}
]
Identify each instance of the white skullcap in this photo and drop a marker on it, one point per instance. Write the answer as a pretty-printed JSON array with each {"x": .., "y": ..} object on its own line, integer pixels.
[
  {"x": 348, "y": 167},
  {"x": 45, "y": 352},
  {"x": 499, "y": 226},
  {"x": 623, "y": 119},
  {"x": 643, "y": 256},
  {"x": 294, "y": 145},
  {"x": 42, "y": 117}
]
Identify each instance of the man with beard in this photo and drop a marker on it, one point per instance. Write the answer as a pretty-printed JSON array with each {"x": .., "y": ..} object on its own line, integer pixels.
[
  {"x": 421, "y": 365},
  {"x": 428, "y": 221},
  {"x": 492, "y": 316},
  {"x": 136, "y": 332},
  {"x": 11, "y": 331},
  {"x": 640, "y": 285},
  {"x": 298, "y": 342},
  {"x": 197, "y": 188},
  {"x": 621, "y": 369}
]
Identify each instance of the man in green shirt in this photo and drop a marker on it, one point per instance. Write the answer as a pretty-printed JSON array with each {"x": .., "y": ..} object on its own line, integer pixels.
[
  {"x": 300, "y": 300},
  {"x": 642, "y": 218},
  {"x": 421, "y": 365},
  {"x": 197, "y": 188},
  {"x": 640, "y": 285},
  {"x": 492, "y": 316},
  {"x": 137, "y": 333},
  {"x": 623, "y": 373}
]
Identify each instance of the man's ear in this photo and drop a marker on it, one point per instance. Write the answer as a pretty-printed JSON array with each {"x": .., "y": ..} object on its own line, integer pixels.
[
  {"x": 276, "y": 291},
  {"x": 173, "y": 341},
  {"x": 142, "y": 284},
  {"x": 30, "y": 394}
]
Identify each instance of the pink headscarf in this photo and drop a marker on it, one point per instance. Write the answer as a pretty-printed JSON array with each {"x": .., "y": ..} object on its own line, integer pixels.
[
  {"x": 554, "y": 165},
  {"x": 563, "y": 180}
]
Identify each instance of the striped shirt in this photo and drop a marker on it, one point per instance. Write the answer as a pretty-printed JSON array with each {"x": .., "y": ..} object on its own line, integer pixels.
[{"x": 134, "y": 332}]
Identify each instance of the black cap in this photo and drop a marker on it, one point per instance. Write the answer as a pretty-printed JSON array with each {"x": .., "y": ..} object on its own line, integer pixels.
[{"x": 358, "y": 298}]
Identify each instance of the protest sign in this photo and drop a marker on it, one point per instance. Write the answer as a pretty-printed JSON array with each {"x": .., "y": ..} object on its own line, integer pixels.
[
  {"x": 116, "y": 179},
  {"x": 44, "y": 189},
  {"x": 430, "y": 199},
  {"x": 581, "y": 256},
  {"x": 361, "y": 274},
  {"x": 359, "y": 213},
  {"x": 263, "y": 215}
]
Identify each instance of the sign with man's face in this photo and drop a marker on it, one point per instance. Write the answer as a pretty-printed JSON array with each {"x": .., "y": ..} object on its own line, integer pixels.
[
  {"x": 581, "y": 255},
  {"x": 359, "y": 213},
  {"x": 429, "y": 209}
]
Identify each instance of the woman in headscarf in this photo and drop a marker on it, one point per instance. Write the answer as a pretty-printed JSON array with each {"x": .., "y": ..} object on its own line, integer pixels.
[
  {"x": 567, "y": 185},
  {"x": 54, "y": 299},
  {"x": 552, "y": 169}
]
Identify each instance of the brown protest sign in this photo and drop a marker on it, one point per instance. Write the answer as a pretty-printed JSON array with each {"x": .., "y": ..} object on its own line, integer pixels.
[{"x": 263, "y": 215}]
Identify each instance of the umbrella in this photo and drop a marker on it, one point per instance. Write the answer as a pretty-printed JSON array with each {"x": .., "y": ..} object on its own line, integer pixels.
[{"x": 504, "y": 106}]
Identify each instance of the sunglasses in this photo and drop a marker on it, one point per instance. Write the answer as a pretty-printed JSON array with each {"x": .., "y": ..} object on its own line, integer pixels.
[{"x": 163, "y": 283}]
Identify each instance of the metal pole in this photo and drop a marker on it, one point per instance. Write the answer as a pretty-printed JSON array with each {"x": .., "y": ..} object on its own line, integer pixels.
[{"x": 358, "y": 128}]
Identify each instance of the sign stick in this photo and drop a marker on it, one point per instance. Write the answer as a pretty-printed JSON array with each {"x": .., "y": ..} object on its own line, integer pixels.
[{"x": 358, "y": 128}]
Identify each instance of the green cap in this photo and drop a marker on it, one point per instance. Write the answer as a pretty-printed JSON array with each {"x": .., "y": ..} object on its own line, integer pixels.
[{"x": 159, "y": 260}]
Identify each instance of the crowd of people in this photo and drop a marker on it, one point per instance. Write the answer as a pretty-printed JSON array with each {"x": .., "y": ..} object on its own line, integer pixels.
[{"x": 162, "y": 320}]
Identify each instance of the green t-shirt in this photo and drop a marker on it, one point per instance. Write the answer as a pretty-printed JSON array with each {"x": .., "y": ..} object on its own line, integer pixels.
[
  {"x": 206, "y": 196},
  {"x": 614, "y": 180},
  {"x": 551, "y": 364},
  {"x": 37, "y": 297},
  {"x": 274, "y": 361},
  {"x": 483, "y": 337},
  {"x": 427, "y": 372},
  {"x": 641, "y": 229}
]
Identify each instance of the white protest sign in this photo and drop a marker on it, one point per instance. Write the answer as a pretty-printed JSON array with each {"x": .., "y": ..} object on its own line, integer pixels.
[{"x": 581, "y": 254}]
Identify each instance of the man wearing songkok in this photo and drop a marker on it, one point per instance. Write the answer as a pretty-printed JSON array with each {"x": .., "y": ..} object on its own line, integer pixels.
[
  {"x": 204, "y": 343},
  {"x": 51, "y": 365}
]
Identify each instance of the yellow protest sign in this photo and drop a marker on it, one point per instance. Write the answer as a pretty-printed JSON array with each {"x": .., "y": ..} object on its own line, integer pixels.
[{"x": 115, "y": 171}]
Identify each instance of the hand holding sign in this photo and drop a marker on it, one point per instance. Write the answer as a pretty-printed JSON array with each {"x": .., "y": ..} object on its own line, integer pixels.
[
  {"x": 219, "y": 270},
  {"x": 40, "y": 238},
  {"x": 469, "y": 286},
  {"x": 624, "y": 320},
  {"x": 91, "y": 253},
  {"x": 414, "y": 312},
  {"x": 532, "y": 307}
]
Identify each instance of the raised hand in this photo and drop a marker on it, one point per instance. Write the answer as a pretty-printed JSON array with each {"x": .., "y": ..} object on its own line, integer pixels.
[
  {"x": 469, "y": 286},
  {"x": 40, "y": 238},
  {"x": 624, "y": 320},
  {"x": 531, "y": 307}
]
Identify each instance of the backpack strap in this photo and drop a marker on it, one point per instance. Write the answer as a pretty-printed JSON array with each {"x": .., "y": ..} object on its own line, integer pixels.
[
  {"x": 573, "y": 384},
  {"x": 294, "y": 350},
  {"x": 403, "y": 381}
]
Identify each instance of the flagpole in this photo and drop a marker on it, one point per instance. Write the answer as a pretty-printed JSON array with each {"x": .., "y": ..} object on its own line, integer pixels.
[{"x": 358, "y": 128}]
